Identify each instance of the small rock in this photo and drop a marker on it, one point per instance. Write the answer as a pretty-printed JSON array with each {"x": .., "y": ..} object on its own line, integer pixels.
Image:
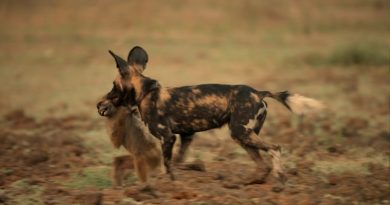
[
  {"x": 197, "y": 165},
  {"x": 385, "y": 136},
  {"x": 137, "y": 194},
  {"x": 256, "y": 200},
  {"x": 3, "y": 198},
  {"x": 183, "y": 195},
  {"x": 269, "y": 202},
  {"x": 277, "y": 188},
  {"x": 332, "y": 180},
  {"x": 149, "y": 190},
  {"x": 336, "y": 149},
  {"x": 349, "y": 132},
  {"x": 219, "y": 177},
  {"x": 129, "y": 201},
  {"x": 231, "y": 186},
  {"x": 37, "y": 157},
  {"x": 357, "y": 123},
  {"x": 92, "y": 198},
  {"x": 77, "y": 151},
  {"x": 293, "y": 171}
]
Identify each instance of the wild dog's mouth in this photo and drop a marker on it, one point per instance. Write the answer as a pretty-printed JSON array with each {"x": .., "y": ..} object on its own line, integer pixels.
[{"x": 105, "y": 110}]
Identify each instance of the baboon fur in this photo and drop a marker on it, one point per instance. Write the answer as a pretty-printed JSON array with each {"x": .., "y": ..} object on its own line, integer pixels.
[{"x": 126, "y": 129}]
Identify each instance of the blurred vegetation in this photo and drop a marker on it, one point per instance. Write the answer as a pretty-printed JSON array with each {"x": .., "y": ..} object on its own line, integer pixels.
[
  {"x": 31, "y": 193},
  {"x": 361, "y": 55},
  {"x": 98, "y": 177},
  {"x": 356, "y": 54},
  {"x": 340, "y": 166},
  {"x": 64, "y": 44}
]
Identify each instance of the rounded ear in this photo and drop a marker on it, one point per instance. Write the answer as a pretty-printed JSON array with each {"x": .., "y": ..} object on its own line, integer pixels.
[
  {"x": 138, "y": 56},
  {"x": 121, "y": 64}
]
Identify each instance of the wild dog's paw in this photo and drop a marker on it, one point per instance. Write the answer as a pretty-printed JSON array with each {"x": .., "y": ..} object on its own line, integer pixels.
[
  {"x": 278, "y": 188},
  {"x": 171, "y": 176},
  {"x": 260, "y": 176},
  {"x": 280, "y": 183}
]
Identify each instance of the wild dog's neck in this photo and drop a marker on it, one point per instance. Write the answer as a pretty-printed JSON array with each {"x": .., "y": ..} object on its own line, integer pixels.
[
  {"x": 137, "y": 85},
  {"x": 143, "y": 86}
]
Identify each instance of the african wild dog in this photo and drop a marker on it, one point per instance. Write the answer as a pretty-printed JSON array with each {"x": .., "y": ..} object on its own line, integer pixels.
[{"x": 190, "y": 109}]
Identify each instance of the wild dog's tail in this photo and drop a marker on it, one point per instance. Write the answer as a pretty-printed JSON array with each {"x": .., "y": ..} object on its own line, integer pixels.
[{"x": 296, "y": 103}]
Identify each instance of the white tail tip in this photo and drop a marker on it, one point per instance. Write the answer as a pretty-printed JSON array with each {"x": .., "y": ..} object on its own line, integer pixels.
[{"x": 303, "y": 105}]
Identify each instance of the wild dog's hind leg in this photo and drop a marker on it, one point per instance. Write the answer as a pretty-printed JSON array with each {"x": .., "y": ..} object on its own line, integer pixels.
[
  {"x": 262, "y": 167},
  {"x": 240, "y": 134},
  {"x": 275, "y": 152},
  {"x": 276, "y": 163},
  {"x": 185, "y": 141},
  {"x": 262, "y": 170},
  {"x": 245, "y": 133}
]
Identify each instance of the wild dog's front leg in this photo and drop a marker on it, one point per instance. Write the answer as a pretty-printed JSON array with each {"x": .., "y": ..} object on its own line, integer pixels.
[
  {"x": 162, "y": 131},
  {"x": 167, "y": 147}
]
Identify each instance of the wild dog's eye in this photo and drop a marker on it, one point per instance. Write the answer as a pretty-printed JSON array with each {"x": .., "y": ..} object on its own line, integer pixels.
[
  {"x": 115, "y": 100},
  {"x": 111, "y": 95},
  {"x": 114, "y": 93},
  {"x": 114, "y": 87}
]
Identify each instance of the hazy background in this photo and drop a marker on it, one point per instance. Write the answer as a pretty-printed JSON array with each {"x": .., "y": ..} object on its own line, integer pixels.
[
  {"x": 54, "y": 64},
  {"x": 55, "y": 52}
]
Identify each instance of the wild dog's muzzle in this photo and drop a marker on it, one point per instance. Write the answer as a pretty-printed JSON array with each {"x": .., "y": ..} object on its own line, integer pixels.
[{"x": 106, "y": 109}]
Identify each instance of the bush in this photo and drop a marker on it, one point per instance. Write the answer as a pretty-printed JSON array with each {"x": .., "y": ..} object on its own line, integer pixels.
[
  {"x": 360, "y": 54},
  {"x": 91, "y": 177},
  {"x": 352, "y": 55}
]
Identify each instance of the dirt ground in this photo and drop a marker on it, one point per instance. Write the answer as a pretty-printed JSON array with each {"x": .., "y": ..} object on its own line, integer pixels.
[{"x": 54, "y": 67}]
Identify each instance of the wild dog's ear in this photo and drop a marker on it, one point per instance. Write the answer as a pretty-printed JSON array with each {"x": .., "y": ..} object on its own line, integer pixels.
[
  {"x": 138, "y": 56},
  {"x": 121, "y": 64}
]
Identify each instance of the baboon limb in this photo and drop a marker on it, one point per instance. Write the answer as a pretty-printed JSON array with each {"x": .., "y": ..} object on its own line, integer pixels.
[{"x": 122, "y": 166}]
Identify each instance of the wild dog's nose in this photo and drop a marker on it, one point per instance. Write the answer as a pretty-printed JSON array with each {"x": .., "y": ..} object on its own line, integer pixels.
[
  {"x": 102, "y": 110},
  {"x": 98, "y": 105}
]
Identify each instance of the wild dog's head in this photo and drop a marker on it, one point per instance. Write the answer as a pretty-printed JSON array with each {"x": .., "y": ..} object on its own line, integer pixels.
[
  {"x": 123, "y": 90},
  {"x": 110, "y": 102}
]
